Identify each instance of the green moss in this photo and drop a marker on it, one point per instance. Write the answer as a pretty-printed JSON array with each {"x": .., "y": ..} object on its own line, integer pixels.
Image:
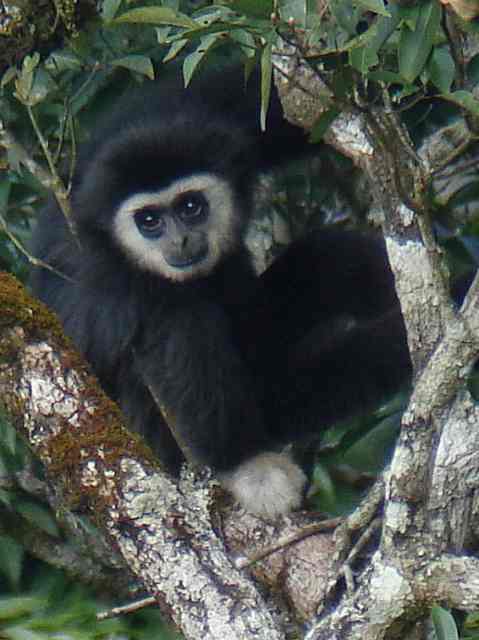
[
  {"x": 19, "y": 308},
  {"x": 100, "y": 436}
]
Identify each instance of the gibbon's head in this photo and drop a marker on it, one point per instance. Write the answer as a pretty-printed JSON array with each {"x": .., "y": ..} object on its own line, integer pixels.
[
  {"x": 172, "y": 191},
  {"x": 182, "y": 231}
]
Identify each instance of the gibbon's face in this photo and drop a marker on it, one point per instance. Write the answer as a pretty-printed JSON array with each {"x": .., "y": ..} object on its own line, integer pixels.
[{"x": 180, "y": 232}]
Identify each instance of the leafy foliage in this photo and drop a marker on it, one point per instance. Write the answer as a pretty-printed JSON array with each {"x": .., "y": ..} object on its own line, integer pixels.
[{"x": 53, "y": 607}]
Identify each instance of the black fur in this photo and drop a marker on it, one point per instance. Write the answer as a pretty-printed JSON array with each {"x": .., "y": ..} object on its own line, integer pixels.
[{"x": 243, "y": 363}]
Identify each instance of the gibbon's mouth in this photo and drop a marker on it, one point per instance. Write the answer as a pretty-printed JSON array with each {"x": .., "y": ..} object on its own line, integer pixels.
[{"x": 188, "y": 262}]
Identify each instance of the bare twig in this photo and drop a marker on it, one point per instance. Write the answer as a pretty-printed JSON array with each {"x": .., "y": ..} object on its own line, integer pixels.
[
  {"x": 297, "y": 536},
  {"x": 126, "y": 608}
]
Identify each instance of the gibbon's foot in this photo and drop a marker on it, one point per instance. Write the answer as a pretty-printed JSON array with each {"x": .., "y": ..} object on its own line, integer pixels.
[{"x": 268, "y": 485}]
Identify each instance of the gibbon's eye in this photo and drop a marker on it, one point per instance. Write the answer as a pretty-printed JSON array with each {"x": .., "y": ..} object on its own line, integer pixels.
[
  {"x": 191, "y": 207},
  {"x": 150, "y": 222}
]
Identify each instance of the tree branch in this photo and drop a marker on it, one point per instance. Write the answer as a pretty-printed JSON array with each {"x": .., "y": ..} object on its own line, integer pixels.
[{"x": 162, "y": 529}]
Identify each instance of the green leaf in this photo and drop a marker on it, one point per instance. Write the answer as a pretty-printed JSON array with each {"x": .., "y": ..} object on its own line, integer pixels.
[
  {"x": 30, "y": 63},
  {"x": 38, "y": 515},
  {"x": 473, "y": 69},
  {"x": 11, "y": 562},
  {"x": 20, "y": 632},
  {"x": 363, "y": 58},
  {"x": 191, "y": 62},
  {"x": 133, "y": 62},
  {"x": 266, "y": 80},
  {"x": 346, "y": 17},
  {"x": 293, "y": 10},
  {"x": 5, "y": 188},
  {"x": 464, "y": 99},
  {"x": 246, "y": 41},
  {"x": 43, "y": 84},
  {"x": 376, "y": 6},
  {"x": 389, "y": 77},
  {"x": 11, "y": 608},
  {"x": 109, "y": 9},
  {"x": 175, "y": 49},
  {"x": 415, "y": 46},
  {"x": 441, "y": 69},
  {"x": 322, "y": 483},
  {"x": 6, "y": 498},
  {"x": 322, "y": 124},
  {"x": 63, "y": 60},
  {"x": 253, "y": 8},
  {"x": 156, "y": 15},
  {"x": 378, "y": 32},
  {"x": 444, "y": 624},
  {"x": 162, "y": 34},
  {"x": 472, "y": 621},
  {"x": 173, "y": 4},
  {"x": 303, "y": 12},
  {"x": 9, "y": 75},
  {"x": 32, "y": 88}
]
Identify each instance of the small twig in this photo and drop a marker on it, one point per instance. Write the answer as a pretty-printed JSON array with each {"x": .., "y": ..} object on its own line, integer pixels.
[
  {"x": 63, "y": 128},
  {"x": 364, "y": 539},
  {"x": 305, "y": 532},
  {"x": 59, "y": 190},
  {"x": 348, "y": 574},
  {"x": 51, "y": 181},
  {"x": 126, "y": 608},
  {"x": 36, "y": 262},
  {"x": 73, "y": 151}
]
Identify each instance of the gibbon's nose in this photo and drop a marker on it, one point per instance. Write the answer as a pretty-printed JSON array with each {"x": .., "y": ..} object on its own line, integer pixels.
[{"x": 180, "y": 241}]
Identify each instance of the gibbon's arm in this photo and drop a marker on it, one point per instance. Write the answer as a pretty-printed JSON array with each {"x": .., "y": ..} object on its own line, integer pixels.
[
  {"x": 349, "y": 374},
  {"x": 195, "y": 374},
  {"x": 188, "y": 361}
]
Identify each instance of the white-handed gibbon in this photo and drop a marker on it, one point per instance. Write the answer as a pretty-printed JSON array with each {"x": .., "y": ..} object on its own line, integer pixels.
[{"x": 163, "y": 301}]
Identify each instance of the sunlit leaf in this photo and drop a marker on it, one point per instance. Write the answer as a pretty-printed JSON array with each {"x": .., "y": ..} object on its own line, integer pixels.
[
  {"x": 175, "y": 49},
  {"x": 156, "y": 15},
  {"x": 162, "y": 34},
  {"x": 266, "y": 79}
]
